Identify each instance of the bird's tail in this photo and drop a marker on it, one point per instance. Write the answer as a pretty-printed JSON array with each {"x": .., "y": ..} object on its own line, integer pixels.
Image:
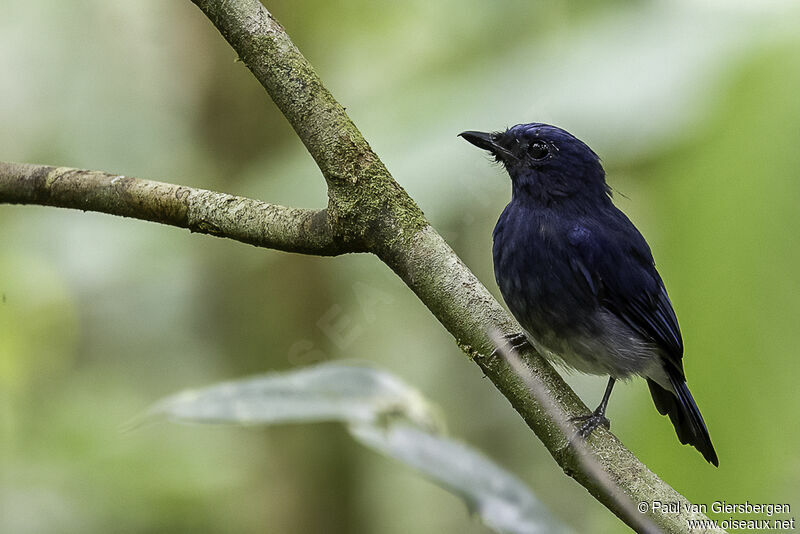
[{"x": 683, "y": 412}]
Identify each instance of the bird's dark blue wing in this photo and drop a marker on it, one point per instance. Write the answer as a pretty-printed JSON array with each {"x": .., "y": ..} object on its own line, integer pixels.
[{"x": 616, "y": 263}]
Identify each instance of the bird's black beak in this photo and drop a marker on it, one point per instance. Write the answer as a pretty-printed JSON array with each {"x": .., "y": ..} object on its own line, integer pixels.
[
  {"x": 487, "y": 141},
  {"x": 481, "y": 140}
]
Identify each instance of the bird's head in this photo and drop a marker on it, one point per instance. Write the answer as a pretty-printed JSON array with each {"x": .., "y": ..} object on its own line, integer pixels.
[{"x": 546, "y": 164}]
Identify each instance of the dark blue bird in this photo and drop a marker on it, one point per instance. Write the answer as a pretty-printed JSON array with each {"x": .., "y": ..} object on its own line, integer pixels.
[{"x": 580, "y": 278}]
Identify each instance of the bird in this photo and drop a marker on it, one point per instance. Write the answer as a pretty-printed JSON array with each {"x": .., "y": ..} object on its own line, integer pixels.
[{"x": 580, "y": 278}]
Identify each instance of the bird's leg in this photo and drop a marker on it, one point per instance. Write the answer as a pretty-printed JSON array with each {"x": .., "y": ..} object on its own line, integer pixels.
[
  {"x": 597, "y": 417},
  {"x": 513, "y": 342}
]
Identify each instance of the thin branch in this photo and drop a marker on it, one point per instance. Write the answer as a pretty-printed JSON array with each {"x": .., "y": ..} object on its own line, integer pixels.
[{"x": 199, "y": 210}]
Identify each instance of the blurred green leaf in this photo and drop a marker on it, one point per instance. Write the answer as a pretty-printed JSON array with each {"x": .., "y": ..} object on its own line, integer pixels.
[
  {"x": 502, "y": 501},
  {"x": 326, "y": 392},
  {"x": 383, "y": 413}
]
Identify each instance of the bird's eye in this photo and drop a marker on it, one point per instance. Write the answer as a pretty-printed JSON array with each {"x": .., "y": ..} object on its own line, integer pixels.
[{"x": 539, "y": 150}]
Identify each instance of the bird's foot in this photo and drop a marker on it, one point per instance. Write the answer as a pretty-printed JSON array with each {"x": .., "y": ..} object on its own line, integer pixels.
[
  {"x": 591, "y": 422},
  {"x": 511, "y": 342}
]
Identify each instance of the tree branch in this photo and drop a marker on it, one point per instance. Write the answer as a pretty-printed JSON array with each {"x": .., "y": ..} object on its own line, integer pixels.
[{"x": 206, "y": 212}]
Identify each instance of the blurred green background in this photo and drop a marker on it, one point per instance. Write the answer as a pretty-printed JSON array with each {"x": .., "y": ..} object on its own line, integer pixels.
[{"x": 693, "y": 106}]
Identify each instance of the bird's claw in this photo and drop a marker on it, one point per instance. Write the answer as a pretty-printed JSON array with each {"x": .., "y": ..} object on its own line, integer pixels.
[{"x": 590, "y": 423}]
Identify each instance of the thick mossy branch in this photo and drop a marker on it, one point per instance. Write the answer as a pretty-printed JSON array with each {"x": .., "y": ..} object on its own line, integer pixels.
[
  {"x": 361, "y": 191},
  {"x": 206, "y": 212}
]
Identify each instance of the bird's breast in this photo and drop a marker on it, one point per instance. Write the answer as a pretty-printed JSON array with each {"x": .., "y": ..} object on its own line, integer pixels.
[
  {"x": 534, "y": 267},
  {"x": 532, "y": 264}
]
